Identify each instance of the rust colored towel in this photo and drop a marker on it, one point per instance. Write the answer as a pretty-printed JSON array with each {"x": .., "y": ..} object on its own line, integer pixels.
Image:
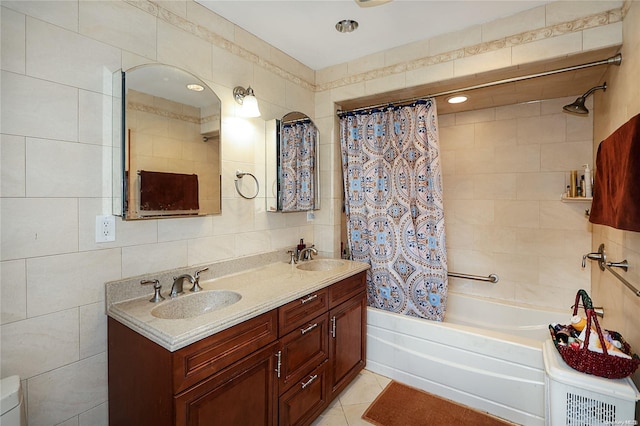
[
  {"x": 616, "y": 201},
  {"x": 168, "y": 191}
]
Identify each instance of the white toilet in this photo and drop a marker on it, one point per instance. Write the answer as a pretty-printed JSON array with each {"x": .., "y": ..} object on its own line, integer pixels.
[{"x": 12, "y": 402}]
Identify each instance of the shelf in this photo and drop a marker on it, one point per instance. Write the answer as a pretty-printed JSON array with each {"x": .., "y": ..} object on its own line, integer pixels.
[{"x": 566, "y": 199}]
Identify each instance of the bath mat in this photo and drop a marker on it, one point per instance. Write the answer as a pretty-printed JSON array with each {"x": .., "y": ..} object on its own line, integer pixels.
[{"x": 401, "y": 405}]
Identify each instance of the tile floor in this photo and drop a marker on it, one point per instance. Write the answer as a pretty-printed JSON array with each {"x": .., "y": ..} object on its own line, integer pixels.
[{"x": 347, "y": 409}]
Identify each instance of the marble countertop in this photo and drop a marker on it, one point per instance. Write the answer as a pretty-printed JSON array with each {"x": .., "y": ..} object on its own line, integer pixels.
[{"x": 262, "y": 289}]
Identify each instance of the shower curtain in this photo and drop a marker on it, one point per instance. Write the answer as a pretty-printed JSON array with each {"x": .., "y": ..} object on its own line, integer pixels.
[
  {"x": 393, "y": 202},
  {"x": 297, "y": 160}
]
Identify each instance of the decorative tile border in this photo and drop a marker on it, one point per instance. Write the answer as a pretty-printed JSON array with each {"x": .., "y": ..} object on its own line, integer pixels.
[{"x": 593, "y": 21}]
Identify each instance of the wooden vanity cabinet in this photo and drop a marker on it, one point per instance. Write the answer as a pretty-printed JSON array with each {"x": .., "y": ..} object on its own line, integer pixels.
[
  {"x": 149, "y": 385},
  {"x": 280, "y": 368},
  {"x": 348, "y": 335}
]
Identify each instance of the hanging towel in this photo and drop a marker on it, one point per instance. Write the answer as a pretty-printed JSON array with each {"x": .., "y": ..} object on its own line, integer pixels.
[
  {"x": 616, "y": 201},
  {"x": 160, "y": 191}
]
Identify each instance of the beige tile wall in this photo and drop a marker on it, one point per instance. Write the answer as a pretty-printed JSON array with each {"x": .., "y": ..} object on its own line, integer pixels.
[
  {"x": 57, "y": 61},
  {"x": 618, "y": 104},
  {"x": 503, "y": 171}
]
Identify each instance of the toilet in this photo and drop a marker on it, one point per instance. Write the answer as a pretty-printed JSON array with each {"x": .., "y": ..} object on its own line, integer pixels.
[{"x": 12, "y": 402}]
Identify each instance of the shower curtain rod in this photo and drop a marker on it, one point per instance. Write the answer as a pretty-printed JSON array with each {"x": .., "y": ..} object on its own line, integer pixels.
[{"x": 614, "y": 60}]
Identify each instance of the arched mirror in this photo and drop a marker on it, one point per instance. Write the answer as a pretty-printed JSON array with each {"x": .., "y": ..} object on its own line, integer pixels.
[
  {"x": 168, "y": 163},
  {"x": 292, "y": 164}
]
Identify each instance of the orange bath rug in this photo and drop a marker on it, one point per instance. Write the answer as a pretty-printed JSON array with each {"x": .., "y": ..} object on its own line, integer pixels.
[{"x": 401, "y": 405}]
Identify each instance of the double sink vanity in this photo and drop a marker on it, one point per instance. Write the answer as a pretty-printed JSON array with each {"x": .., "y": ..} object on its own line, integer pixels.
[{"x": 271, "y": 344}]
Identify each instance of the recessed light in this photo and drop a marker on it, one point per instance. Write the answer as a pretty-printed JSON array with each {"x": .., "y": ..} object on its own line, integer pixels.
[
  {"x": 195, "y": 87},
  {"x": 346, "y": 25},
  {"x": 458, "y": 99}
]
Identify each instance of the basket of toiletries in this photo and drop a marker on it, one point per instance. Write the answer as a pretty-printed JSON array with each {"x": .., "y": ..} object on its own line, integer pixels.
[{"x": 586, "y": 347}]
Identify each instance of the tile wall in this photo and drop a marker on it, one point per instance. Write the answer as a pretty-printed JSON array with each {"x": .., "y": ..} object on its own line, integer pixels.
[
  {"x": 618, "y": 104},
  {"x": 504, "y": 170},
  {"x": 57, "y": 61}
]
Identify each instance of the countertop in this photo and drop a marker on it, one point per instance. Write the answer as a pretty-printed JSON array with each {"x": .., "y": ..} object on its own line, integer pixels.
[{"x": 263, "y": 288}]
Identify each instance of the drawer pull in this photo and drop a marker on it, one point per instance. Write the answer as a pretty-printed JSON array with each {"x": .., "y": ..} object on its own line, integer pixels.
[
  {"x": 333, "y": 327},
  {"x": 311, "y": 380},
  {"x": 309, "y": 299},
  {"x": 278, "y": 363},
  {"x": 311, "y": 327}
]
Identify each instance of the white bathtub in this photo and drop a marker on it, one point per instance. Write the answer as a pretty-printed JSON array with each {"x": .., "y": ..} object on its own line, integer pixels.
[{"x": 497, "y": 368}]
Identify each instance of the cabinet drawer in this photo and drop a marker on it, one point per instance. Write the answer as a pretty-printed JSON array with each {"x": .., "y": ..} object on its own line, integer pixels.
[
  {"x": 303, "y": 349},
  {"x": 300, "y": 311},
  {"x": 301, "y": 404},
  {"x": 199, "y": 360},
  {"x": 346, "y": 289}
]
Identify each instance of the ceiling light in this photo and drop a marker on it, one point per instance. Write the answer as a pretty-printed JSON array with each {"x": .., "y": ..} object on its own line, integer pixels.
[
  {"x": 195, "y": 87},
  {"x": 247, "y": 99},
  {"x": 458, "y": 99},
  {"x": 346, "y": 25}
]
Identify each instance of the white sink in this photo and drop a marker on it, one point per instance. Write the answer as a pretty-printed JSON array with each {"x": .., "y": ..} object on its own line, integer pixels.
[
  {"x": 320, "y": 265},
  {"x": 193, "y": 305}
]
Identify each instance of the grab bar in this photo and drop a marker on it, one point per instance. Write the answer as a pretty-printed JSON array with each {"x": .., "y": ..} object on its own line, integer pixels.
[
  {"x": 492, "y": 278},
  {"x": 601, "y": 257}
]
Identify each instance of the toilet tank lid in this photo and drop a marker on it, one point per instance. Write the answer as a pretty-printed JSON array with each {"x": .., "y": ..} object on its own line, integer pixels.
[{"x": 11, "y": 393}]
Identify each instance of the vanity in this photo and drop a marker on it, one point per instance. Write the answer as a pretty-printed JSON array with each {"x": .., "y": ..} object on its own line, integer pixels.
[{"x": 277, "y": 355}]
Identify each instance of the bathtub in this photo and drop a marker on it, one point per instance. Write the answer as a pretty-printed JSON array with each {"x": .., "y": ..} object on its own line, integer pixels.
[{"x": 485, "y": 355}]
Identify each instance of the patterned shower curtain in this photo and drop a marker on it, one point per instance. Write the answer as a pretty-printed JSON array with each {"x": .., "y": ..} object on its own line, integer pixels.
[
  {"x": 297, "y": 160},
  {"x": 393, "y": 201}
]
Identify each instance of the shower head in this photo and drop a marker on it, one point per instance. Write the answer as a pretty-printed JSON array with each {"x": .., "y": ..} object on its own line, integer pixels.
[{"x": 577, "y": 107}]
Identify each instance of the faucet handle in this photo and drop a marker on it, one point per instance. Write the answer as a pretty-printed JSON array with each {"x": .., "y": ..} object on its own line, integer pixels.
[
  {"x": 292, "y": 260},
  {"x": 157, "y": 297},
  {"x": 196, "y": 280}
]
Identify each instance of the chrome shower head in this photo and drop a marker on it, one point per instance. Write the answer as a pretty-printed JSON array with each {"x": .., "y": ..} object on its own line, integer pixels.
[{"x": 577, "y": 107}]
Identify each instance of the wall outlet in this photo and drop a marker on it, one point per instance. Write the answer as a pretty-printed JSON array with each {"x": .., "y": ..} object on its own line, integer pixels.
[
  {"x": 311, "y": 216},
  {"x": 105, "y": 229}
]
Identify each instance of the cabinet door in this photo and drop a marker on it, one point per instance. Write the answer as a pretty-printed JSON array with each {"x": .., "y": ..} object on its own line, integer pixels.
[
  {"x": 305, "y": 400},
  {"x": 244, "y": 394},
  {"x": 302, "y": 350},
  {"x": 347, "y": 343}
]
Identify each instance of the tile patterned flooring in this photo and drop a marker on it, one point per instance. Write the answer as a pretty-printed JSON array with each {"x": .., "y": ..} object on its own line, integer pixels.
[{"x": 347, "y": 409}]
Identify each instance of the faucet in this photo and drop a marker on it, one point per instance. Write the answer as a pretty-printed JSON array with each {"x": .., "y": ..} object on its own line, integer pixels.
[
  {"x": 178, "y": 282},
  {"x": 302, "y": 254},
  {"x": 194, "y": 279}
]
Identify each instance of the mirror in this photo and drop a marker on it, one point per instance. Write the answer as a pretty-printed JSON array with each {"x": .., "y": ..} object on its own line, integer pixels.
[
  {"x": 167, "y": 154},
  {"x": 292, "y": 172}
]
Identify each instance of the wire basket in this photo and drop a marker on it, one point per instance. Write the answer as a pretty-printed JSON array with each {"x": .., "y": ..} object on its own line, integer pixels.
[{"x": 590, "y": 362}]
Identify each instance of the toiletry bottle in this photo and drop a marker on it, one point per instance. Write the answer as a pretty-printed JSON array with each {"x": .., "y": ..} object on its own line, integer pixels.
[
  {"x": 587, "y": 181},
  {"x": 302, "y": 245},
  {"x": 574, "y": 183}
]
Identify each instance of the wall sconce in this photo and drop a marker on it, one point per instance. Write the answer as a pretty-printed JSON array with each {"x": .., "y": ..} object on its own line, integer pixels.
[{"x": 247, "y": 99}]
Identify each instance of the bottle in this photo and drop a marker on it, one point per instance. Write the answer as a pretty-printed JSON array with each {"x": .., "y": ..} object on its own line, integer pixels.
[
  {"x": 573, "y": 184},
  {"x": 302, "y": 245},
  {"x": 587, "y": 181}
]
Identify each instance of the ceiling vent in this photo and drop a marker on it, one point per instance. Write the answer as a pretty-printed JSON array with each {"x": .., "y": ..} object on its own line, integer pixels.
[{"x": 371, "y": 3}]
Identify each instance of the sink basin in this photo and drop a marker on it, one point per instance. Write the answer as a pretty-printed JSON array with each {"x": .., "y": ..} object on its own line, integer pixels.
[
  {"x": 193, "y": 305},
  {"x": 320, "y": 265}
]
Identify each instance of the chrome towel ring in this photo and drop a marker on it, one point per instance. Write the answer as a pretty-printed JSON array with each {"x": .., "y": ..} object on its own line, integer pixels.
[{"x": 240, "y": 175}]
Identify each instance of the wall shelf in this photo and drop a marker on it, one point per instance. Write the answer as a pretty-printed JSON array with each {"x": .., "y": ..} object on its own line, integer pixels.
[{"x": 566, "y": 199}]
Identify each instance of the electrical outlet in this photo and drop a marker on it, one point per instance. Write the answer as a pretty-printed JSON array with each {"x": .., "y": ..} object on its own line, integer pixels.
[
  {"x": 105, "y": 229},
  {"x": 311, "y": 216}
]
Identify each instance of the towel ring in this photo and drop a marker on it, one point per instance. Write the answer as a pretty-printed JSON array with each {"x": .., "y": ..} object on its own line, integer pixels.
[{"x": 240, "y": 175}]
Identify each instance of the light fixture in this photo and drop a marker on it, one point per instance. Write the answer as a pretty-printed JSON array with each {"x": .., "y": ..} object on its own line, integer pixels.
[
  {"x": 195, "y": 87},
  {"x": 247, "y": 99},
  {"x": 457, "y": 99},
  {"x": 577, "y": 107},
  {"x": 347, "y": 25}
]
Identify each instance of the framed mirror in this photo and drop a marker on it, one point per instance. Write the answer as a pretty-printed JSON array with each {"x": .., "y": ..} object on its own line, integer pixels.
[
  {"x": 167, "y": 150},
  {"x": 292, "y": 172}
]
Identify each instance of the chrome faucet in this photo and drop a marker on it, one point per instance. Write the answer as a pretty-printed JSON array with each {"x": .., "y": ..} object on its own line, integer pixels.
[
  {"x": 305, "y": 253},
  {"x": 178, "y": 282}
]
